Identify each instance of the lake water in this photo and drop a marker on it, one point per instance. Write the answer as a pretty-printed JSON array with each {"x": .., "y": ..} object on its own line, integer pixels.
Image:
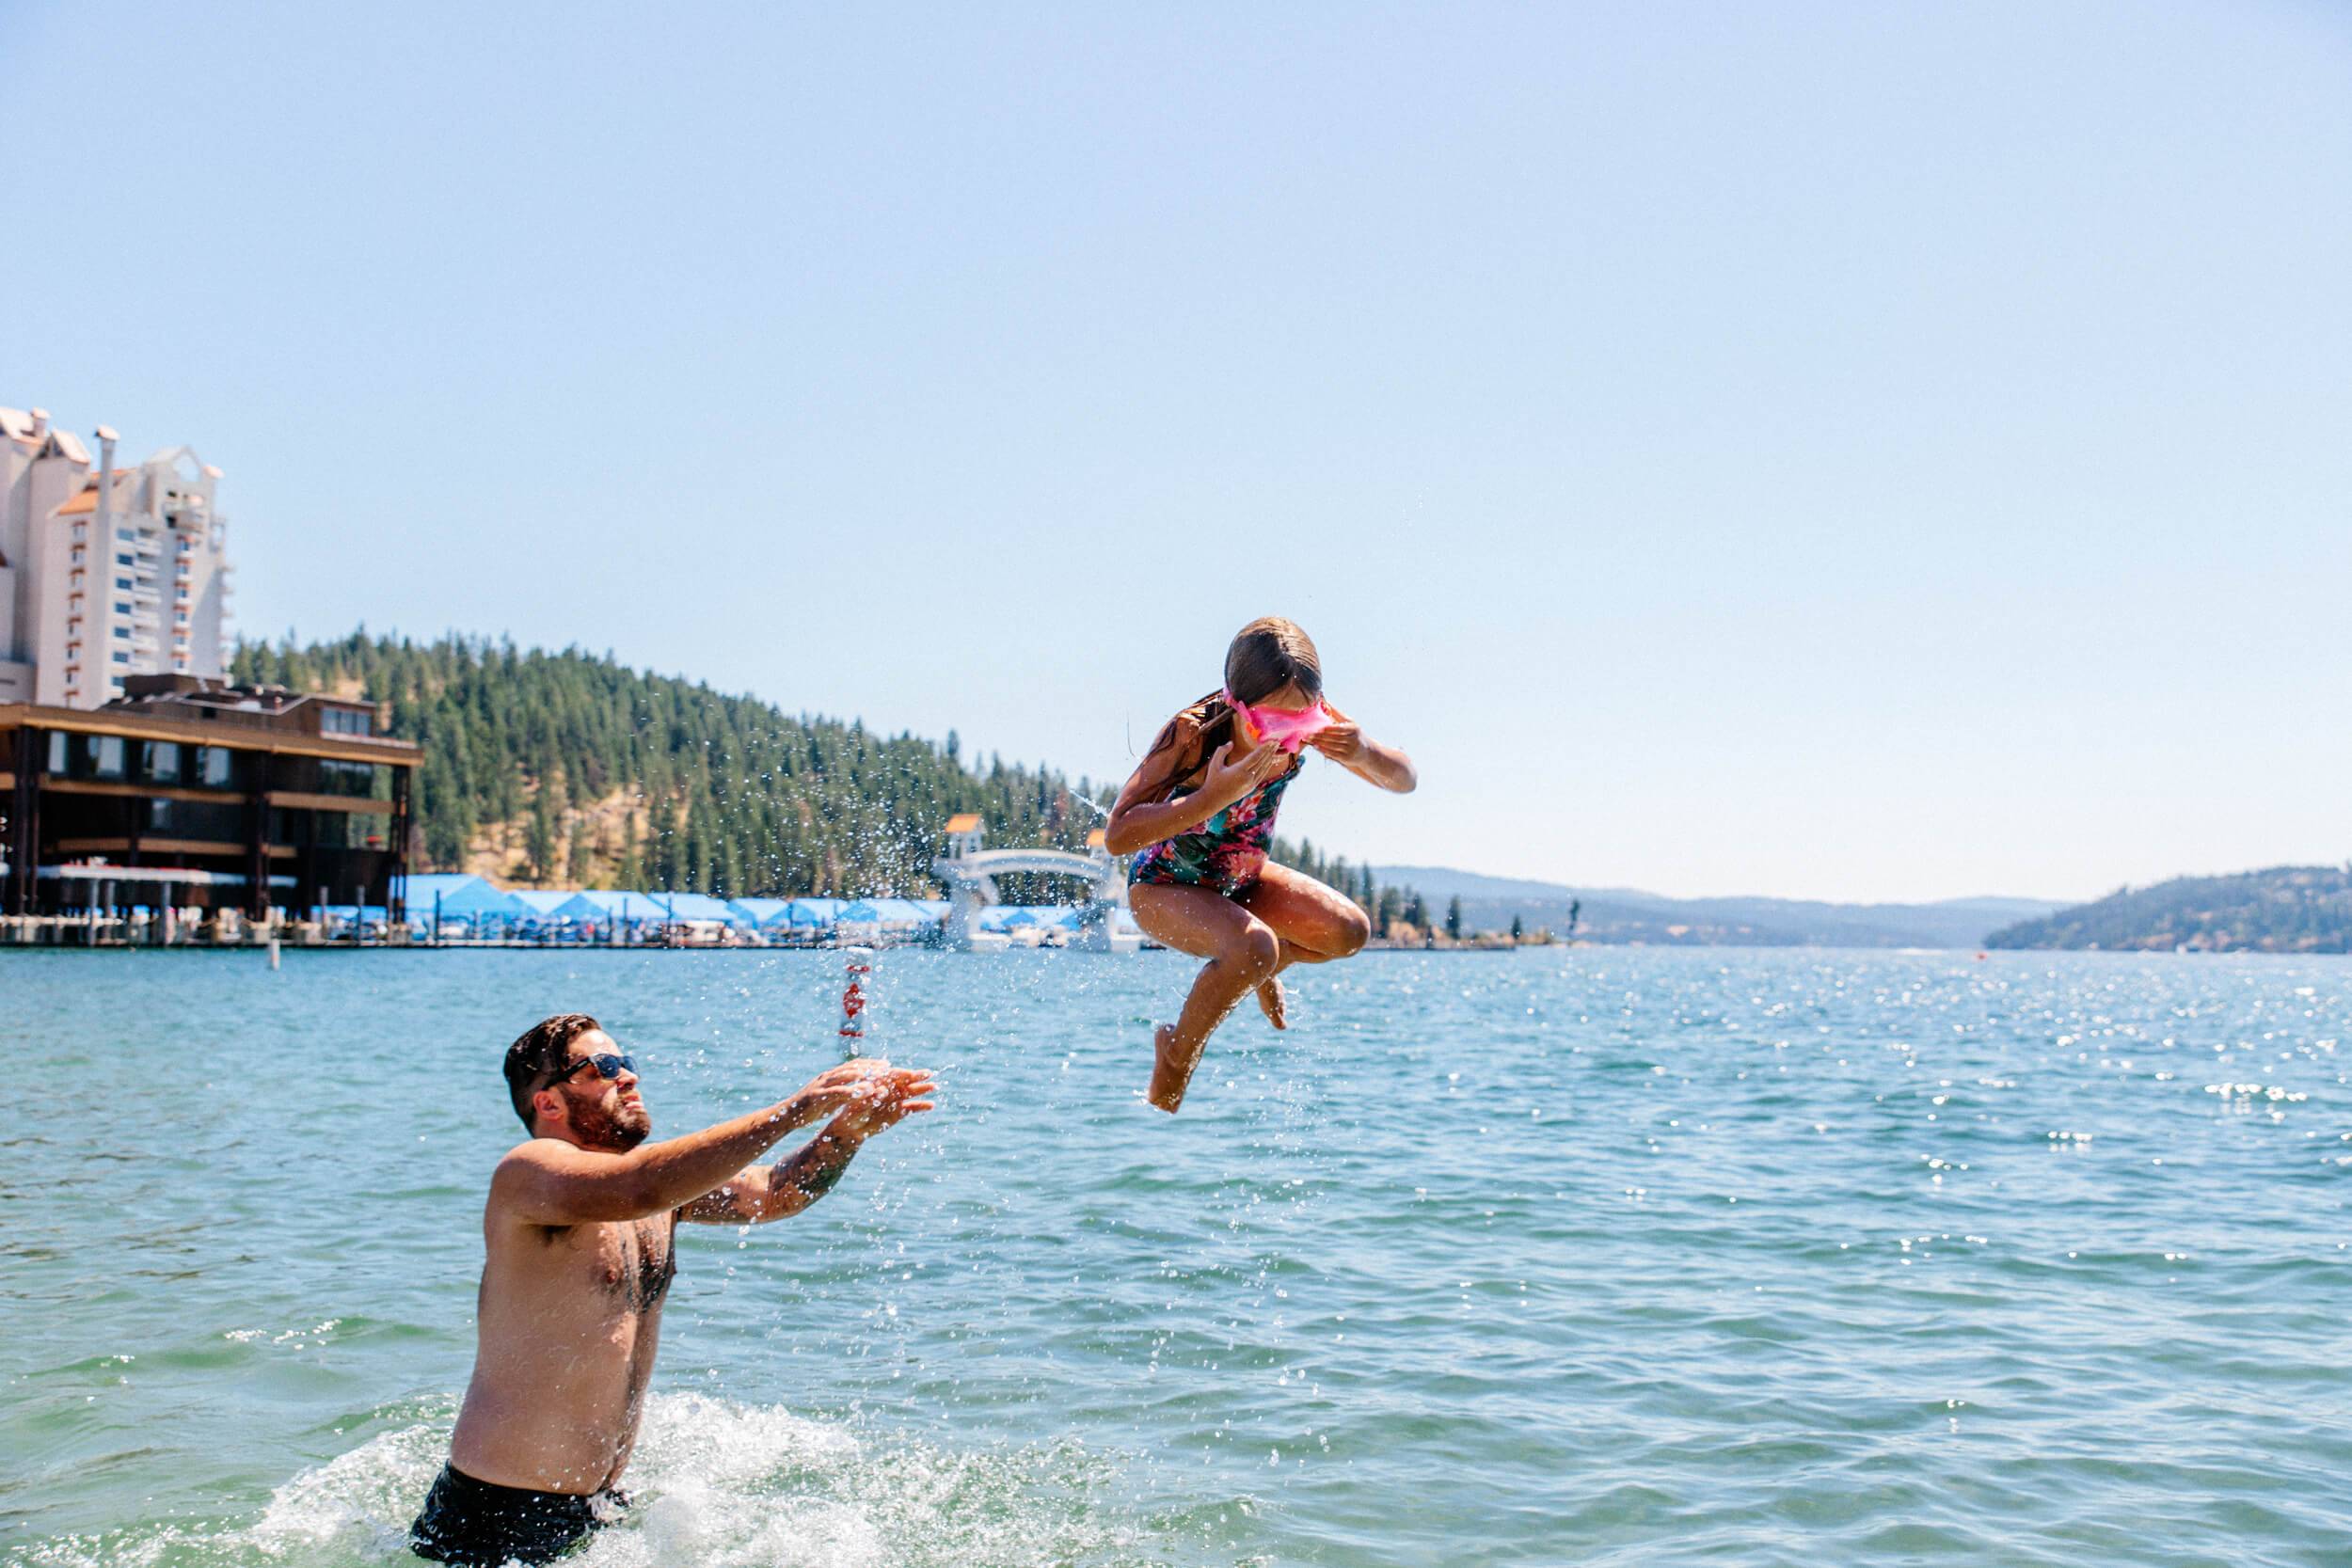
[{"x": 1599, "y": 1257}]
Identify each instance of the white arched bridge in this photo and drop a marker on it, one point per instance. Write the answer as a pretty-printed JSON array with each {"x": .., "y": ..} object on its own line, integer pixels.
[{"x": 970, "y": 872}]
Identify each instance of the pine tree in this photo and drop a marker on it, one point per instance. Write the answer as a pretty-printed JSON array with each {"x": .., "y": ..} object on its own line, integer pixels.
[{"x": 540, "y": 844}]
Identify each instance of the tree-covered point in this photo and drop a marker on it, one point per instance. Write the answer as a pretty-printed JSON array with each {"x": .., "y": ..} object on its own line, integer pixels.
[
  {"x": 605, "y": 775},
  {"x": 2287, "y": 908},
  {"x": 571, "y": 768}
]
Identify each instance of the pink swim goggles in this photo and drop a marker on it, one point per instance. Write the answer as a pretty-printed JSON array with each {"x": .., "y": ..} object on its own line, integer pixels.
[{"x": 1288, "y": 730}]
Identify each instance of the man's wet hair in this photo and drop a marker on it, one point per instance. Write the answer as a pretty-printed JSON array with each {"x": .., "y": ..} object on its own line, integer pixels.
[{"x": 539, "y": 1056}]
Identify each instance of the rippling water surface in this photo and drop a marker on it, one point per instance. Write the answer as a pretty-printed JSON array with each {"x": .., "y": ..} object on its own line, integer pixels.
[{"x": 1557, "y": 1257}]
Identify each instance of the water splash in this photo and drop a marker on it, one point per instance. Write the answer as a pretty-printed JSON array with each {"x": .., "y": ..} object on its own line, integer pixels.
[{"x": 715, "y": 1484}]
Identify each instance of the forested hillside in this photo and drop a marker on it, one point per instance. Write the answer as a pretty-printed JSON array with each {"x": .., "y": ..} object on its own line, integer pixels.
[
  {"x": 2287, "y": 908},
  {"x": 569, "y": 768}
]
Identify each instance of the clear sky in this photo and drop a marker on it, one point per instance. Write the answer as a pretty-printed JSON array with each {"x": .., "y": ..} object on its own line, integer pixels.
[{"x": 1833, "y": 450}]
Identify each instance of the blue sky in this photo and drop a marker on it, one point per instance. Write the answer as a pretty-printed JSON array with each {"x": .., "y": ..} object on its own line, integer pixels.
[{"x": 1831, "y": 451}]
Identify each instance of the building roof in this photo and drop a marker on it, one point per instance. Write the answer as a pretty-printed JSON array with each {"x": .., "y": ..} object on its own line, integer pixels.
[
  {"x": 82, "y": 502},
  {"x": 136, "y": 722},
  {"x": 963, "y": 822}
]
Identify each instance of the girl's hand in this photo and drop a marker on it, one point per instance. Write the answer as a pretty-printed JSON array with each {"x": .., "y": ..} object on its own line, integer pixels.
[
  {"x": 1341, "y": 740},
  {"x": 1231, "y": 777}
]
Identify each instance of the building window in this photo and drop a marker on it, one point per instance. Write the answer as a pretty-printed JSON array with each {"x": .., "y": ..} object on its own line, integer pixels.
[
  {"x": 56, "y": 752},
  {"x": 81, "y": 532},
  {"x": 357, "y": 779},
  {"x": 123, "y": 583},
  {"x": 122, "y": 559},
  {"x": 121, "y": 607},
  {"x": 211, "y": 765},
  {"x": 78, "y": 553},
  {"x": 160, "y": 760},
  {"x": 122, "y": 658},
  {"x": 212, "y": 820},
  {"x": 106, "y": 755},
  {"x": 123, "y": 633}
]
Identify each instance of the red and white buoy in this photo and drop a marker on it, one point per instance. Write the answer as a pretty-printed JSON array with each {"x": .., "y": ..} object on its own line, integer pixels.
[{"x": 861, "y": 968}]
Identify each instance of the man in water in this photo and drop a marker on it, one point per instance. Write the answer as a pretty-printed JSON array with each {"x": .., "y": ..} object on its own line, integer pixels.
[{"x": 580, "y": 1233}]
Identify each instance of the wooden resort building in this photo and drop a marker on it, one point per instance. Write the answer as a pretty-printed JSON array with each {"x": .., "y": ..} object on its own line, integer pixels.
[{"x": 187, "y": 792}]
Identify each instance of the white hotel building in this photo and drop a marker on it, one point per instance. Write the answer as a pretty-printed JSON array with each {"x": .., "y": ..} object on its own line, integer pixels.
[{"x": 103, "y": 579}]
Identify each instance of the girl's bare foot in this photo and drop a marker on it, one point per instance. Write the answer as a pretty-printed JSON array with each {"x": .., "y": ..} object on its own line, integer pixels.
[
  {"x": 1170, "y": 1075},
  {"x": 1273, "y": 1002}
]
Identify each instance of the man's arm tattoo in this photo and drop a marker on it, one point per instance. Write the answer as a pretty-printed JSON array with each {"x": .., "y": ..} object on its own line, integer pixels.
[{"x": 815, "y": 1170}]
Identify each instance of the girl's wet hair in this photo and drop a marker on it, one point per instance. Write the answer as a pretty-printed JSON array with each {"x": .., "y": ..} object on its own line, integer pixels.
[
  {"x": 1269, "y": 654},
  {"x": 1265, "y": 655}
]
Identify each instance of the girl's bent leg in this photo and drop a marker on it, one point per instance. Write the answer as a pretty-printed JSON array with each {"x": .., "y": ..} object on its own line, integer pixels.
[
  {"x": 1242, "y": 951},
  {"x": 1317, "y": 924}
]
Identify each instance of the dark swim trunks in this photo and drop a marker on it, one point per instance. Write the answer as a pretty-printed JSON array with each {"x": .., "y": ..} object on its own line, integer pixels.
[{"x": 474, "y": 1524}]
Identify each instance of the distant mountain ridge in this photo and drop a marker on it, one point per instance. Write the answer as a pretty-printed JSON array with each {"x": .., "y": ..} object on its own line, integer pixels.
[
  {"x": 1630, "y": 915},
  {"x": 2285, "y": 908}
]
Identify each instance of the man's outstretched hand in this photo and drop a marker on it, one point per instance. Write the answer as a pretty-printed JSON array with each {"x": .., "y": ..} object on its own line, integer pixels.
[
  {"x": 834, "y": 1089},
  {"x": 883, "y": 1098}
]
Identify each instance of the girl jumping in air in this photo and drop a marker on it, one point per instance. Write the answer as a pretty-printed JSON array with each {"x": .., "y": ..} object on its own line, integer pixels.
[{"x": 1200, "y": 809}]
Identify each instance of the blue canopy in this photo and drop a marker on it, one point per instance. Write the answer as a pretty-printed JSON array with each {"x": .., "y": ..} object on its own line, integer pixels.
[
  {"x": 545, "y": 903},
  {"x": 701, "y": 906},
  {"x": 628, "y": 908},
  {"x": 1038, "y": 914},
  {"x": 762, "y": 913},
  {"x": 462, "y": 895},
  {"x": 814, "y": 912},
  {"x": 885, "y": 911}
]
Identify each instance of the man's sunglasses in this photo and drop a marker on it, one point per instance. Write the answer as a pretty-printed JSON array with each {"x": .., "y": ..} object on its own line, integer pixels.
[{"x": 605, "y": 1062}]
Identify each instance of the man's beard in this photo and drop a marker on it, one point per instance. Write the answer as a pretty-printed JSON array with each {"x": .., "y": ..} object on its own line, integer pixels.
[{"x": 619, "y": 1130}]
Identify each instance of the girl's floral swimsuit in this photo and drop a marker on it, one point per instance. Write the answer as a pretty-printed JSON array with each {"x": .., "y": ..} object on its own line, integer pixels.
[{"x": 1225, "y": 853}]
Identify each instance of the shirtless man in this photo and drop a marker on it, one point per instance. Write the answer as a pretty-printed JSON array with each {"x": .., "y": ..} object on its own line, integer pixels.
[{"x": 580, "y": 1231}]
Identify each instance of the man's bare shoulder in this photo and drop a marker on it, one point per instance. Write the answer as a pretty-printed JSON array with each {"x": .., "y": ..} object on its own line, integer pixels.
[
  {"x": 521, "y": 1172},
  {"x": 535, "y": 1154}
]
